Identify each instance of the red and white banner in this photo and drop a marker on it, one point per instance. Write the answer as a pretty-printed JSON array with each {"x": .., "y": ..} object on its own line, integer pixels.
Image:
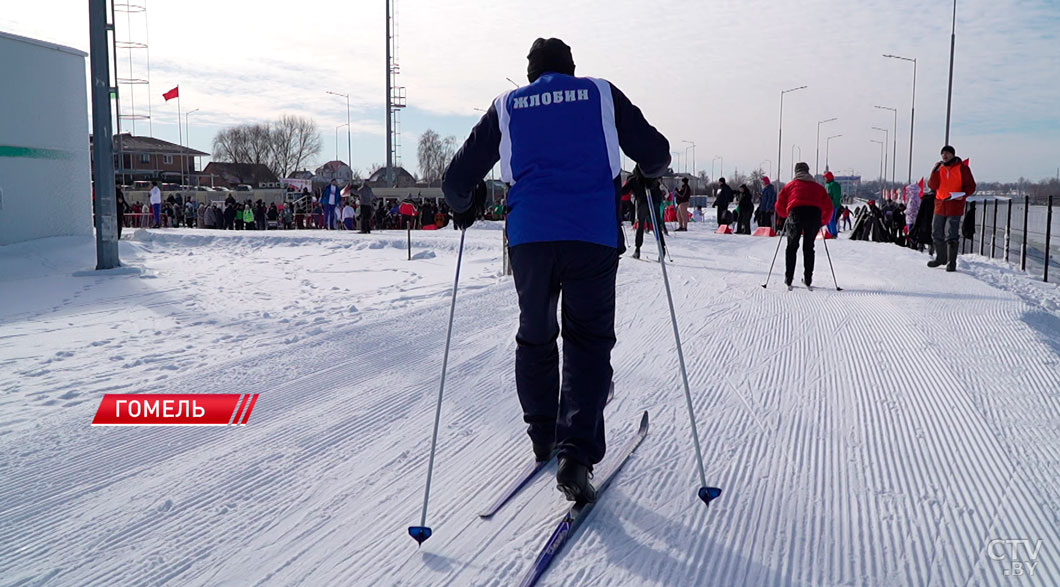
[{"x": 171, "y": 409}]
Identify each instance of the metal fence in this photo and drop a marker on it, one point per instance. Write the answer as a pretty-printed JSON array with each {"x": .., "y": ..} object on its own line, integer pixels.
[{"x": 1032, "y": 234}]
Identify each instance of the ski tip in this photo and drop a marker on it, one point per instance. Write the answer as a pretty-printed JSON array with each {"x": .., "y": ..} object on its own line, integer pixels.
[
  {"x": 764, "y": 286},
  {"x": 419, "y": 533},
  {"x": 709, "y": 494},
  {"x": 644, "y": 422},
  {"x": 839, "y": 289}
]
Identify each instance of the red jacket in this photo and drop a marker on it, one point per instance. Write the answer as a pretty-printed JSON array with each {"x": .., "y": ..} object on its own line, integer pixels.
[
  {"x": 945, "y": 180},
  {"x": 801, "y": 192}
]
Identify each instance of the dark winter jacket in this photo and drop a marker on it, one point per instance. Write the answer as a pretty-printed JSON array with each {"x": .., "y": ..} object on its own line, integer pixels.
[
  {"x": 746, "y": 205},
  {"x": 683, "y": 194},
  {"x": 924, "y": 217},
  {"x": 724, "y": 197}
]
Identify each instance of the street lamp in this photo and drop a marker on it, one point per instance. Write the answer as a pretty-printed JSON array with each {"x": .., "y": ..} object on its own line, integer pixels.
[
  {"x": 817, "y": 163},
  {"x": 693, "y": 143},
  {"x": 780, "y": 129},
  {"x": 678, "y": 154},
  {"x": 886, "y": 138},
  {"x": 337, "y": 139},
  {"x": 722, "y": 167},
  {"x": 349, "y": 141},
  {"x": 827, "y": 146},
  {"x": 894, "y": 140},
  {"x": 912, "y": 112},
  {"x": 513, "y": 83},
  {"x": 949, "y": 92},
  {"x": 793, "y": 149},
  {"x": 882, "y": 154},
  {"x": 187, "y": 135}
]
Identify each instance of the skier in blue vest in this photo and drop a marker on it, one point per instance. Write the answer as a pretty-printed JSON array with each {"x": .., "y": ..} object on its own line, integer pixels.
[{"x": 558, "y": 142}]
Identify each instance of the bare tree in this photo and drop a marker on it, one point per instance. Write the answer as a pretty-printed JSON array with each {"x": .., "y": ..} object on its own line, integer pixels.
[
  {"x": 246, "y": 143},
  {"x": 294, "y": 140},
  {"x": 434, "y": 154},
  {"x": 283, "y": 146}
]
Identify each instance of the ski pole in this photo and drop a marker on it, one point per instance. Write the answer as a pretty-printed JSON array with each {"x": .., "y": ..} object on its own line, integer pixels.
[
  {"x": 423, "y": 532},
  {"x": 829, "y": 255},
  {"x": 777, "y": 252},
  {"x": 707, "y": 494}
]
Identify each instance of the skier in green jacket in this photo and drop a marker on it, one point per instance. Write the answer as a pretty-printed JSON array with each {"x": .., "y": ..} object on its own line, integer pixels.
[{"x": 835, "y": 192}]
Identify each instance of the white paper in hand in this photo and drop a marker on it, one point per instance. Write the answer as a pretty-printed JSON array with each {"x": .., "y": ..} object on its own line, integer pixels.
[{"x": 955, "y": 195}]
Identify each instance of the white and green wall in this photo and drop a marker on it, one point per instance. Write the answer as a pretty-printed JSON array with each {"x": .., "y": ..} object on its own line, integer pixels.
[{"x": 45, "y": 179}]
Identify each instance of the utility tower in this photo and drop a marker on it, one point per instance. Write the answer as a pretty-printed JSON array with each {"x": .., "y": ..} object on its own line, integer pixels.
[{"x": 395, "y": 95}]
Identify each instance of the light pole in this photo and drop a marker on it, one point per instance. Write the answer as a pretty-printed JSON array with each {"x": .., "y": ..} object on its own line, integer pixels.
[
  {"x": 912, "y": 115},
  {"x": 949, "y": 92},
  {"x": 337, "y": 139},
  {"x": 349, "y": 141},
  {"x": 721, "y": 167},
  {"x": 678, "y": 154},
  {"x": 770, "y": 165},
  {"x": 780, "y": 129},
  {"x": 827, "y": 147},
  {"x": 886, "y": 138},
  {"x": 793, "y": 149},
  {"x": 881, "y": 163},
  {"x": 693, "y": 147},
  {"x": 187, "y": 135},
  {"x": 894, "y": 140},
  {"x": 817, "y": 163}
]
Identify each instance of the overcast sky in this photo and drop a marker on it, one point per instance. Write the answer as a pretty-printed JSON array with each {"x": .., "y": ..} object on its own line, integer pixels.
[{"x": 704, "y": 72}]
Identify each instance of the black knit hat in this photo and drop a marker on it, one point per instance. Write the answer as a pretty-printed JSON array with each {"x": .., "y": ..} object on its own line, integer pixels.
[
  {"x": 548, "y": 55},
  {"x": 803, "y": 167},
  {"x": 950, "y": 149}
]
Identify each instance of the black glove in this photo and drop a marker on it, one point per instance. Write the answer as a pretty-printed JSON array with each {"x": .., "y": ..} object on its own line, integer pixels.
[{"x": 464, "y": 220}]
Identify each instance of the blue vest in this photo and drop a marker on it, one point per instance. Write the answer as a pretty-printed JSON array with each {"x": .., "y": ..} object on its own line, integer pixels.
[{"x": 559, "y": 152}]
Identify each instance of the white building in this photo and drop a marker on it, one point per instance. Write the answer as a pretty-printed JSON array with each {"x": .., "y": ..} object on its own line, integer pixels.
[{"x": 45, "y": 179}]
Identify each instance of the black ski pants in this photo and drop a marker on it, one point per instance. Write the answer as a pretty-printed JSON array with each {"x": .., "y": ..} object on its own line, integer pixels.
[
  {"x": 644, "y": 217},
  {"x": 572, "y": 413},
  {"x": 366, "y": 219},
  {"x": 804, "y": 222}
]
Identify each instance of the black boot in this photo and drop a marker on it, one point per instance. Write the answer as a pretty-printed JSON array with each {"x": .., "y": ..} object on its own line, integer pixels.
[
  {"x": 572, "y": 479},
  {"x": 940, "y": 259},
  {"x": 636, "y": 253},
  {"x": 543, "y": 451},
  {"x": 951, "y": 249}
]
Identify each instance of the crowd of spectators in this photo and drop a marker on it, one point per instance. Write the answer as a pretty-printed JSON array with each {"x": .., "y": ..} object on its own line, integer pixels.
[{"x": 302, "y": 211}]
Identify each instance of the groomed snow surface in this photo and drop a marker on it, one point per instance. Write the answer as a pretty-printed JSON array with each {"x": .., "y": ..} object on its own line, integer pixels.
[{"x": 903, "y": 431}]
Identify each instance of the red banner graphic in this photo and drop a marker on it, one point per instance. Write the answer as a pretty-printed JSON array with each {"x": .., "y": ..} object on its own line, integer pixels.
[{"x": 170, "y": 409}]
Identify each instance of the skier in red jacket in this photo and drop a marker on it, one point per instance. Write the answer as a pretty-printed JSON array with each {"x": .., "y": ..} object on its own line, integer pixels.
[{"x": 806, "y": 207}]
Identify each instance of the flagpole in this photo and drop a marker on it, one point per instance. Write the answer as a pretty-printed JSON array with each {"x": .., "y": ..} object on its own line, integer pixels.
[{"x": 180, "y": 134}]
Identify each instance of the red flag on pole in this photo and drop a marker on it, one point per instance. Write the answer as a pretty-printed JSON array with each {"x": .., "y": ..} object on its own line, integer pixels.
[{"x": 175, "y": 92}]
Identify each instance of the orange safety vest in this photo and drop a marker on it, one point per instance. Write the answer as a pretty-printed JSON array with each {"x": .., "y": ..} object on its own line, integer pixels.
[{"x": 950, "y": 181}]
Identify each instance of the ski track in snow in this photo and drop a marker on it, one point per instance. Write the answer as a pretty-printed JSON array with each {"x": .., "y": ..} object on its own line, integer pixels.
[{"x": 882, "y": 435}]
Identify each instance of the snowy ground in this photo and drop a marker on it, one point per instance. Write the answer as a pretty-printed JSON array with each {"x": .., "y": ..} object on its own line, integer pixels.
[{"x": 888, "y": 434}]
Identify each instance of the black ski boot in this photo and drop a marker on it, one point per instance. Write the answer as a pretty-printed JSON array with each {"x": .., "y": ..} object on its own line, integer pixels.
[
  {"x": 572, "y": 479},
  {"x": 951, "y": 265},
  {"x": 543, "y": 451},
  {"x": 636, "y": 253},
  {"x": 940, "y": 259}
]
